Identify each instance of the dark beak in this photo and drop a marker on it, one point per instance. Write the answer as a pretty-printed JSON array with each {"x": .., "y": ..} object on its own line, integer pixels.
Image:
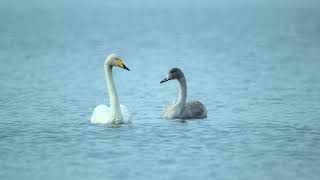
[
  {"x": 164, "y": 80},
  {"x": 126, "y": 68}
]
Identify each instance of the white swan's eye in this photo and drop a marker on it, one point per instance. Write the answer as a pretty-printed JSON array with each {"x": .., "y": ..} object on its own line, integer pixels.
[{"x": 119, "y": 63}]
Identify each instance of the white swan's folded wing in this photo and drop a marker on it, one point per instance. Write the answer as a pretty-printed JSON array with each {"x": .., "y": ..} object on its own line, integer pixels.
[{"x": 100, "y": 114}]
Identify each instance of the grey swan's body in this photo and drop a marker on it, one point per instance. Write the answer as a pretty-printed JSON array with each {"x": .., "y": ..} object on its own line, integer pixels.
[{"x": 181, "y": 109}]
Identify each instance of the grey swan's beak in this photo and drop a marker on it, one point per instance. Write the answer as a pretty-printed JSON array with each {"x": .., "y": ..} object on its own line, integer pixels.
[{"x": 164, "y": 80}]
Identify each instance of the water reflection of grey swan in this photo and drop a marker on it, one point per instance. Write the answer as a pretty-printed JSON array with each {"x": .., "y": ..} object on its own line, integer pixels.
[
  {"x": 180, "y": 109},
  {"x": 116, "y": 113}
]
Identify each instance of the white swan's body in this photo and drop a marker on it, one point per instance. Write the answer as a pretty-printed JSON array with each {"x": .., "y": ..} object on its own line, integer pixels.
[
  {"x": 181, "y": 109},
  {"x": 102, "y": 115},
  {"x": 116, "y": 113}
]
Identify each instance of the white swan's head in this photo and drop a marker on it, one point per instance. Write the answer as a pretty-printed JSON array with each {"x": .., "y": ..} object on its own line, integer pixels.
[
  {"x": 115, "y": 60},
  {"x": 174, "y": 73}
]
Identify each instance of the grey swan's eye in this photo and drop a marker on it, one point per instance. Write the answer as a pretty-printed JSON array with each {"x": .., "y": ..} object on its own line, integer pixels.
[{"x": 173, "y": 71}]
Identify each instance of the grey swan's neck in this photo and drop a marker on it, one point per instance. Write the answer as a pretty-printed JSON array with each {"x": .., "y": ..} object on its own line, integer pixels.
[
  {"x": 114, "y": 100},
  {"x": 182, "y": 92}
]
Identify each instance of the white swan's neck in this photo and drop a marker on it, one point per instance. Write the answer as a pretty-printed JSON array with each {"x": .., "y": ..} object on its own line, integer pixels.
[
  {"x": 182, "y": 92},
  {"x": 115, "y": 109}
]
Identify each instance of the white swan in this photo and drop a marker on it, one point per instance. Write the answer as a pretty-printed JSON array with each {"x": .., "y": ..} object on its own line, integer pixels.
[
  {"x": 116, "y": 113},
  {"x": 180, "y": 109}
]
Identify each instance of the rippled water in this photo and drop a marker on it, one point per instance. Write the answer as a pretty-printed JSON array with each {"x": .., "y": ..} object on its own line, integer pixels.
[{"x": 255, "y": 67}]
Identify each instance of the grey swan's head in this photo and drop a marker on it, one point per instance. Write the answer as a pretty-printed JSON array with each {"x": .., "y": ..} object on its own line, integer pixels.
[{"x": 174, "y": 73}]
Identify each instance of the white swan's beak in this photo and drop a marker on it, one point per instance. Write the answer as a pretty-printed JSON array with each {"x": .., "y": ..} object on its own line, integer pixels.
[
  {"x": 125, "y": 67},
  {"x": 122, "y": 65}
]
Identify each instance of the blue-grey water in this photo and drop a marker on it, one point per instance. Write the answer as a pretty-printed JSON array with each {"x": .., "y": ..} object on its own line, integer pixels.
[{"x": 255, "y": 66}]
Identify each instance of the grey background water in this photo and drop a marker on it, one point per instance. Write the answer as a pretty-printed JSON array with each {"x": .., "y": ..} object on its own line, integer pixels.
[{"x": 255, "y": 65}]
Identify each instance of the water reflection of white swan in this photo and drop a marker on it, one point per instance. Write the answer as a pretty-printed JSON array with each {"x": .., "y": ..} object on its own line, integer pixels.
[
  {"x": 180, "y": 109},
  {"x": 116, "y": 113}
]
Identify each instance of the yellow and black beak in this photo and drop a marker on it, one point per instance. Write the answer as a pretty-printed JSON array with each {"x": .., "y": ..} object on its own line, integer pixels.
[{"x": 122, "y": 65}]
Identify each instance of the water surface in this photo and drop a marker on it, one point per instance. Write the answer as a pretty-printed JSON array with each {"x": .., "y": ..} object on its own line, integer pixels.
[{"x": 255, "y": 66}]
